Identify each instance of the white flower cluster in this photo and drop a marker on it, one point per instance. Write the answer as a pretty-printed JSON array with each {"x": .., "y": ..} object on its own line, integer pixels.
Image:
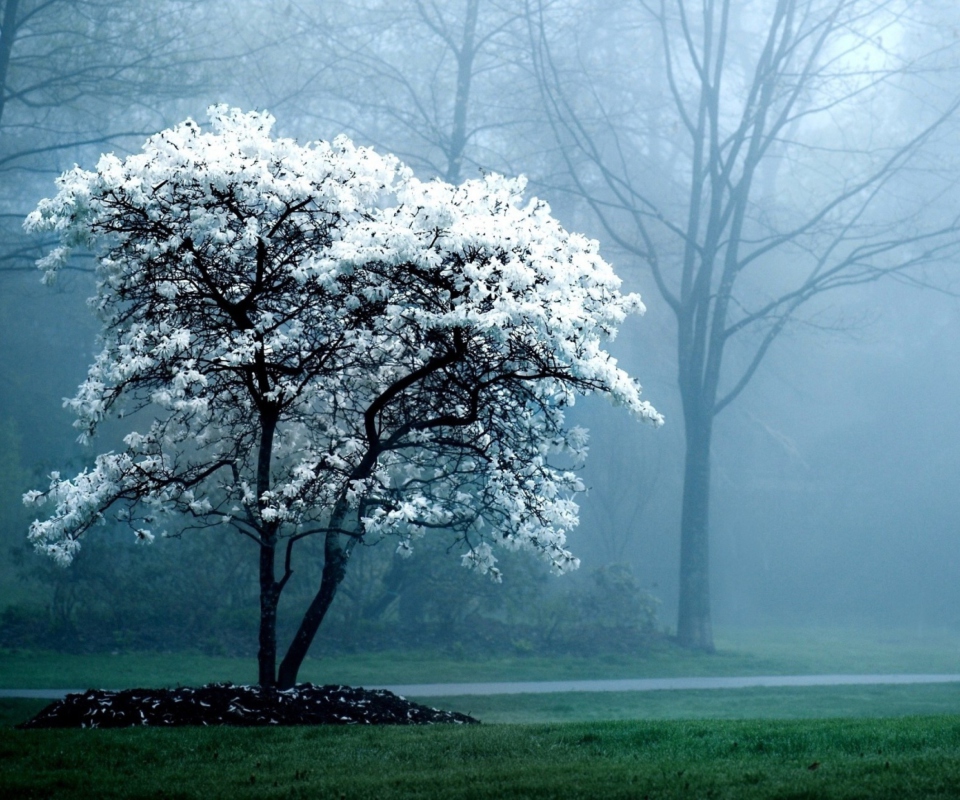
[{"x": 322, "y": 342}]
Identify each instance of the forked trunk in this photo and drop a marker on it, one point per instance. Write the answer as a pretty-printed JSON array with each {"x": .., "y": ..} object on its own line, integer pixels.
[{"x": 336, "y": 555}]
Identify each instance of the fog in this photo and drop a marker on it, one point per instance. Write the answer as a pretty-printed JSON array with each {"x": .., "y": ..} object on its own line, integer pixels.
[
  {"x": 834, "y": 500},
  {"x": 833, "y": 473}
]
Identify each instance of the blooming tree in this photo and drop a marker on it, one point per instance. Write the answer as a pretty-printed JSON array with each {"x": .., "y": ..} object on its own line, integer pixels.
[{"x": 312, "y": 342}]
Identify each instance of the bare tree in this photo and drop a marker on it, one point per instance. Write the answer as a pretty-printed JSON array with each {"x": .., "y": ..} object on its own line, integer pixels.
[
  {"x": 753, "y": 157},
  {"x": 83, "y": 74},
  {"x": 436, "y": 83}
]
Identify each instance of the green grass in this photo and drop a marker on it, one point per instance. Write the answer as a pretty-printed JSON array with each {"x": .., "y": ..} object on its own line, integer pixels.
[
  {"x": 815, "y": 702},
  {"x": 16, "y": 710},
  {"x": 756, "y": 703},
  {"x": 842, "y": 650},
  {"x": 892, "y": 758},
  {"x": 740, "y": 653},
  {"x": 29, "y": 670},
  {"x": 666, "y": 744}
]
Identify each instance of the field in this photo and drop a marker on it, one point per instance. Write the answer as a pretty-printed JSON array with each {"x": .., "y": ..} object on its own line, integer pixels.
[
  {"x": 902, "y": 758},
  {"x": 858, "y": 741},
  {"x": 751, "y": 652}
]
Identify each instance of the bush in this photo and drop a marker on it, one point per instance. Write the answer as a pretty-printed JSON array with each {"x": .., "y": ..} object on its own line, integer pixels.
[{"x": 173, "y": 597}]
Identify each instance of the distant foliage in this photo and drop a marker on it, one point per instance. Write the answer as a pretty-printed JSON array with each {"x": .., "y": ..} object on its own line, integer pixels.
[{"x": 116, "y": 597}]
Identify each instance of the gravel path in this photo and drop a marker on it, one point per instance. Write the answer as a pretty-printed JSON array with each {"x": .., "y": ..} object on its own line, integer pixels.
[{"x": 622, "y": 685}]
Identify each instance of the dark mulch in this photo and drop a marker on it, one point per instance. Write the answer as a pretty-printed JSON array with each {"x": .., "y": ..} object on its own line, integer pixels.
[{"x": 226, "y": 704}]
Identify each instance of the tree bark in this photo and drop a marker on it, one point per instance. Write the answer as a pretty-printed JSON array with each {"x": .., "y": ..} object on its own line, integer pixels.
[
  {"x": 336, "y": 554},
  {"x": 694, "y": 626},
  {"x": 8, "y": 34},
  {"x": 269, "y": 595},
  {"x": 465, "y": 56},
  {"x": 269, "y": 587}
]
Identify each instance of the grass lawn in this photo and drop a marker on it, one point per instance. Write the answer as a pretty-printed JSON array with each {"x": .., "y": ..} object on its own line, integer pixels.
[
  {"x": 664, "y": 744},
  {"x": 28, "y": 670},
  {"x": 814, "y": 702},
  {"x": 751, "y": 652},
  {"x": 888, "y": 758},
  {"x": 808, "y": 702}
]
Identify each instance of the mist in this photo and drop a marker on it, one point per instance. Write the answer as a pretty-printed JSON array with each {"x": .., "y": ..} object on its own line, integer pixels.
[
  {"x": 833, "y": 468},
  {"x": 834, "y": 503}
]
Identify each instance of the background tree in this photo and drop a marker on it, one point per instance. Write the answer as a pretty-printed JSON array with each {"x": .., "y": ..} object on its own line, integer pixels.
[
  {"x": 76, "y": 77},
  {"x": 737, "y": 152},
  {"x": 329, "y": 347},
  {"x": 442, "y": 85},
  {"x": 78, "y": 74}
]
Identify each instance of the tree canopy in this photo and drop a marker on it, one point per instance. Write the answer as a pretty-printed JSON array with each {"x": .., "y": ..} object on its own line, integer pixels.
[{"x": 319, "y": 343}]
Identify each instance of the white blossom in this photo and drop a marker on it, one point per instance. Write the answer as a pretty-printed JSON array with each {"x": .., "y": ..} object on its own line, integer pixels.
[{"x": 410, "y": 346}]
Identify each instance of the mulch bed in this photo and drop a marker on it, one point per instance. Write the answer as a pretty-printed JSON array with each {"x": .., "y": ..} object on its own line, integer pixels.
[{"x": 227, "y": 704}]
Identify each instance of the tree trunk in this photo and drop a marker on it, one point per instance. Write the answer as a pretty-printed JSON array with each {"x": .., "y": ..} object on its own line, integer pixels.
[
  {"x": 465, "y": 55},
  {"x": 269, "y": 588},
  {"x": 269, "y": 595},
  {"x": 8, "y": 34},
  {"x": 336, "y": 555},
  {"x": 694, "y": 627}
]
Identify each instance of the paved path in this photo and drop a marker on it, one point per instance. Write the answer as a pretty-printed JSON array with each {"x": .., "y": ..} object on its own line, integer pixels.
[
  {"x": 659, "y": 684},
  {"x": 623, "y": 685}
]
